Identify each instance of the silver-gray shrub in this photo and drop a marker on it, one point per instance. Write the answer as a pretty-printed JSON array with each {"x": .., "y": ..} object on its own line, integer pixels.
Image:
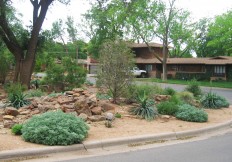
[{"x": 55, "y": 128}]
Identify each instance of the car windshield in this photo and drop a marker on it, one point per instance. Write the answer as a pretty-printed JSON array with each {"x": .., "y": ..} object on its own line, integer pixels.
[{"x": 135, "y": 68}]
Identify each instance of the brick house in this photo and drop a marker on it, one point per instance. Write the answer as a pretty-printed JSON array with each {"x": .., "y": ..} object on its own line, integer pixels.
[{"x": 182, "y": 68}]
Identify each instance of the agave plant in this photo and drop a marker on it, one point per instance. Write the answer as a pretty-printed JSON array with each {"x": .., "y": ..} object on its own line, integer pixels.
[
  {"x": 18, "y": 100},
  {"x": 146, "y": 108}
]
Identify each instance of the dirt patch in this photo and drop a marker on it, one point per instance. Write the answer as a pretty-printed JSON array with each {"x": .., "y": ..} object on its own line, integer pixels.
[{"x": 126, "y": 126}]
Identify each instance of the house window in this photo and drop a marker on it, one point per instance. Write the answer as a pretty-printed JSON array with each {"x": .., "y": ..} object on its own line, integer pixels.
[
  {"x": 148, "y": 68},
  {"x": 219, "y": 70}
]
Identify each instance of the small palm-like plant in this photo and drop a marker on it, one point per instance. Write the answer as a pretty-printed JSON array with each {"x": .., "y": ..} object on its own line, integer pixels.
[{"x": 146, "y": 108}]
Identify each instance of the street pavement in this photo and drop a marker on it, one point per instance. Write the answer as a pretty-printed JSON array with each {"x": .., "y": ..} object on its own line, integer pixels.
[
  {"x": 227, "y": 93},
  {"x": 214, "y": 149}
]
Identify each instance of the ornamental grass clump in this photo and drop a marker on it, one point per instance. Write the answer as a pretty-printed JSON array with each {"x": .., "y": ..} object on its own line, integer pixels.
[
  {"x": 213, "y": 101},
  {"x": 55, "y": 128},
  {"x": 194, "y": 88},
  {"x": 192, "y": 114}
]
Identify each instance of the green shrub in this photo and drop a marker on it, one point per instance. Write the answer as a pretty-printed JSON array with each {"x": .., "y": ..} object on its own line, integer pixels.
[
  {"x": 146, "y": 108},
  {"x": 35, "y": 93},
  {"x": 117, "y": 115},
  {"x": 167, "y": 108},
  {"x": 186, "y": 97},
  {"x": 15, "y": 88},
  {"x": 65, "y": 76},
  {"x": 169, "y": 91},
  {"x": 16, "y": 129},
  {"x": 175, "y": 99},
  {"x": 55, "y": 128},
  {"x": 134, "y": 91},
  {"x": 192, "y": 114},
  {"x": 194, "y": 88},
  {"x": 102, "y": 96},
  {"x": 214, "y": 101}
]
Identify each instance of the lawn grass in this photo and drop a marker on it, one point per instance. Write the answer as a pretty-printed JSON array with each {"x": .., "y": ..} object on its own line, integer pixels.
[{"x": 219, "y": 84}]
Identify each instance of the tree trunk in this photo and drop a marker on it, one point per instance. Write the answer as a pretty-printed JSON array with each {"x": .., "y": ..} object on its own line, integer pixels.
[{"x": 165, "y": 55}]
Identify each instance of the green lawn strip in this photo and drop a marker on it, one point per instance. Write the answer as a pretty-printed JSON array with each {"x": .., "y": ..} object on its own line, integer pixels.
[{"x": 219, "y": 84}]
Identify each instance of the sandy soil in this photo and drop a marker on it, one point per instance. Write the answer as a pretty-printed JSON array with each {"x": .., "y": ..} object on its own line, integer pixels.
[{"x": 126, "y": 126}]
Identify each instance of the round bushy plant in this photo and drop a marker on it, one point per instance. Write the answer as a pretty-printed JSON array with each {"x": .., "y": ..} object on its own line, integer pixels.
[
  {"x": 167, "y": 108},
  {"x": 16, "y": 129},
  {"x": 192, "y": 114},
  {"x": 169, "y": 91},
  {"x": 55, "y": 128},
  {"x": 194, "y": 88},
  {"x": 186, "y": 97},
  {"x": 214, "y": 101}
]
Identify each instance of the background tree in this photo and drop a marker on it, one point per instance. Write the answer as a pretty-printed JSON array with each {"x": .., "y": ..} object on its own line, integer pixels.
[
  {"x": 24, "y": 56},
  {"x": 114, "y": 63},
  {"x": 220, "y": 32},
  {"x": 155, "y": 19},
  {"x": 106, "y": 22}
]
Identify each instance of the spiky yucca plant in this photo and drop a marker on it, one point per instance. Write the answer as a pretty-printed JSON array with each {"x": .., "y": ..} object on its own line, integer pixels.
[{"x": 146, "y": 108}]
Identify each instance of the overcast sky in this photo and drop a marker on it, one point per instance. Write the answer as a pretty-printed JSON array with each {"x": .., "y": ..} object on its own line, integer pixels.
[{"x": 198, "y": 8}]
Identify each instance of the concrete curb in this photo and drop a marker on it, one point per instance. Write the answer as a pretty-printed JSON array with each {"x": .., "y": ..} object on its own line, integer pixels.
[{"x": 114, "y": 142}]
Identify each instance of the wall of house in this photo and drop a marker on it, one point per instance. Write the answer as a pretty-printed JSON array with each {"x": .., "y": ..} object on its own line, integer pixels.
[
  {"x": 229, "y": 72},
  {"x": 145, "y": 53}
]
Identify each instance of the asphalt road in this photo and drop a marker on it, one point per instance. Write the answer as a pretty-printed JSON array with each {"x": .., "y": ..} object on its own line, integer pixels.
[
  {"x": 214, "y": 149},
  {"x": 227, "y": 93}
]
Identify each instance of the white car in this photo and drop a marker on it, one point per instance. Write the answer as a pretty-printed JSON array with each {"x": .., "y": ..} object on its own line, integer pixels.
[{"x": 139, "y": 73}]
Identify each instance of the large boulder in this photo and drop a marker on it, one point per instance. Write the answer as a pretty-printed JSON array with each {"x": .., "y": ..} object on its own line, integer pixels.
[
  {"x": 96, "y": 118},
  {"x": 81, "y": 106},
  {"x": 1, "y": 117},
  {"x": 107, "y": 107},
  {"x": 83, "y": 116},
  {"x": 11, "y": 111},
  {"x": 96, "y": 110}
]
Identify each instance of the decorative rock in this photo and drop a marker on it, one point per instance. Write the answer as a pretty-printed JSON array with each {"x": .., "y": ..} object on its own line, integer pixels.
[
  {"x": 165, "y": 118},
  {"x": 82, "y": 107},
  {"x": 83, "y": 116},
  {"x": 25, "y": 112},
  {"x": 162, "y": 97},
  {"x": 57, "y": 106},
  {"x": 77, "y": 90},
  {"x": 76, "y": 94},
  {"x": 107, "y": 107},
  {"x": 8, "y": 117},
  {"x": 8, "y": 123},
  {"x": 64, "y": 101},
  {"x": 2, "y": 112},
  {"x": 68, "y": 106},
  {"x": 72, "y": 112},
  {"x": 35, "y": 112},
  {"x": 109, "y": 116},
  {"x": 69, "y": 92},
  {"x": 11, "y": 111},
  {"x": 34, "y": 104},
  {"x": 96, "y": 118},
  {"x": 1, "y": 118},
  {"x": 96, "y": 110},
  {"x": 2, "y": 105}
]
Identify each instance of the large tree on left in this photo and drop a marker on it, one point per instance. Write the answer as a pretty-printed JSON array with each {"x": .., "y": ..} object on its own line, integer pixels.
[{"x": 24, "y": 57}]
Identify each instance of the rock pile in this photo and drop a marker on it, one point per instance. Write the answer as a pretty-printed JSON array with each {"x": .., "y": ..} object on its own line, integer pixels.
[
  {"x": 161, "y": 98},
  {"x": 79, "y": 102}
]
